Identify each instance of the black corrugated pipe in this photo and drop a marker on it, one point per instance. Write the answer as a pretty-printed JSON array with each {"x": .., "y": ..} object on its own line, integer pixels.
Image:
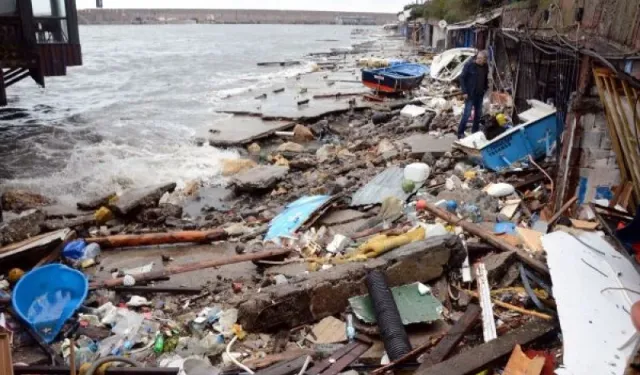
[{"x": 395, "y": 339}]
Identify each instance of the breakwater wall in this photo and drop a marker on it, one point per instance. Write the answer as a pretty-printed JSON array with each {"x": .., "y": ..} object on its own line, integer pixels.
[{"x": 159, "y": 16}]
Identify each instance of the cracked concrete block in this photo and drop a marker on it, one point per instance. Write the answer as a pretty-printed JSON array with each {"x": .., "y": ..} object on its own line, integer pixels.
[{"x": 314, "y": 296}]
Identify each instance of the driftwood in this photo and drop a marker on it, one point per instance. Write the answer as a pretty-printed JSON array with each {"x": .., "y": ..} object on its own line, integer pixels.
[
  {"x": 174, "y": 270},
  {"x": 135, "y": 240},
  {"x": 477, "y": 230}
]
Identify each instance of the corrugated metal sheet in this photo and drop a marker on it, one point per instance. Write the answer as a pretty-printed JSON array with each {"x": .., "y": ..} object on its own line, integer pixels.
[
  {"x": 603, "y": 21},
  {"x": 384, "y": 185}
]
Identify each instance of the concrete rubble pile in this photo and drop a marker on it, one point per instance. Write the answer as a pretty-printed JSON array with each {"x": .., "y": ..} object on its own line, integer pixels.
[{"x": 363, "y": 241}]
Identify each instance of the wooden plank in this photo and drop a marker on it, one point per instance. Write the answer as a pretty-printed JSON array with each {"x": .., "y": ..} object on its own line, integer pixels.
[
  {"x": 6, "y": 363},
  {"x": 482, "y": 356},
  {"x": 453, "y": 337},
  {"x": 621, "y": 129},
  {"x": 347, "y": 359},
  {"x": 585, "y": 225},
  {"x": 632, "y": 94},
  {"x": 322, "y": 366},
  {"x": 531, "y": 239},
  {"x": 285, "y": 368},
  {"x": 615, "y": 139},
  {"x": 274, "y": 358}
]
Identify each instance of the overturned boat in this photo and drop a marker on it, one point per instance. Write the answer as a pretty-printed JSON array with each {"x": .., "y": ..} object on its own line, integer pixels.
[
  {"x": 448, "y": 65},
  {"x": 398, "y": 77}
]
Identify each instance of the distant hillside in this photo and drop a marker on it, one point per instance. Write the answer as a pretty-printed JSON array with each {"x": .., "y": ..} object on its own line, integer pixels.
[{"x": 161, "y": 16}]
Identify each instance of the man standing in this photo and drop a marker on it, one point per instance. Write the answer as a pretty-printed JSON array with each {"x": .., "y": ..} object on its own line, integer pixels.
[{"x": 474, "y": 82}]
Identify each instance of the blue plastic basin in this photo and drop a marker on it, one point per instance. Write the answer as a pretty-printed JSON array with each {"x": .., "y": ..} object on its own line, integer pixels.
[{"x": 46, "y": 297}]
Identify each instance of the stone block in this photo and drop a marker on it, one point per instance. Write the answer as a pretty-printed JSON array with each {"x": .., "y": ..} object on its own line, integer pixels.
[{"x": 316, "y": 295}]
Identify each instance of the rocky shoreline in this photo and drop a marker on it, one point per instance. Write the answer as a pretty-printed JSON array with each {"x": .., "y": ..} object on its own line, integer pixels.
[{"x": 291, "y": 295}]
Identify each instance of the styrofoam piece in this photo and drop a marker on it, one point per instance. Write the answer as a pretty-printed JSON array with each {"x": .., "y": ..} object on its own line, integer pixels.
[
  {"x": 500, "y": 190},
  {"x": 476, "y": 140},
  {"x": 412, "y": 111},
  {"x": 587, "y": 275},
  {"x": 538, "y": 110},
  {"x": 338, "y": 243},
  {"x": 417, "y": 172}
]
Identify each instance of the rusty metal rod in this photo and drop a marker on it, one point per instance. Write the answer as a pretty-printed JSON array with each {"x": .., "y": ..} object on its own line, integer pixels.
[
  {"x": 157, "y": 289},
  {"x": 174, "y": 270},
  {"x": 135, "y": 240},
  {"x": 477, "y": 230}
]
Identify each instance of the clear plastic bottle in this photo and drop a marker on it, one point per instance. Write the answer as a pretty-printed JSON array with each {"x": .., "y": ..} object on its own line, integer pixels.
[{"x": 91, "y": 251}]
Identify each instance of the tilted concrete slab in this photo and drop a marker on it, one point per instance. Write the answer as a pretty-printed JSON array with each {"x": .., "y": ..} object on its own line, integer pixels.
[
  {"x": 311, "y": 297},
  {"x": 422, "y": 143},
  {"x": 240, "y": 130}
]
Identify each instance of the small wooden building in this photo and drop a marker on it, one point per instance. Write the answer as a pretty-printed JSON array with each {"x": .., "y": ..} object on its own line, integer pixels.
[{"x": 38, "y": 38}]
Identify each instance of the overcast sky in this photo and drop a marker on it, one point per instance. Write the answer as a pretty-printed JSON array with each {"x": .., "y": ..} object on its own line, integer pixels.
[{"x": 383, "y": 6}]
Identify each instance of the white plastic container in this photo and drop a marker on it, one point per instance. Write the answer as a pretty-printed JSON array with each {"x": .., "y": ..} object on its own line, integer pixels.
[{"x": 417, "y": 172}]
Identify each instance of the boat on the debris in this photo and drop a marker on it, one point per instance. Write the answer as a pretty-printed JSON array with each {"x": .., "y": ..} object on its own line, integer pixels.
[
  {"x": 536, "y": 137},
  {"x": 395, "y": 78},
  {"x": 448, "y": 65}
]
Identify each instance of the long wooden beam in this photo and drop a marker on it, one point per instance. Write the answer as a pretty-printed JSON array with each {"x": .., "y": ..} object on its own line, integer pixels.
[
  {"x": 135, "y": 240},
  {"x": 478, "y": 231},
  {"x": 485, "y": 355}
]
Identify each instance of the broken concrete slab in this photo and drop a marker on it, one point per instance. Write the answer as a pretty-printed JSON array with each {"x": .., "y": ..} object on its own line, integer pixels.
[
  {"x": 21, "y": 200},
  {"x": 135, "y": 199},
  {"x": 498, "y": 264},
  {"x": 259, "y": 178},
  {"x": 316, "y": 295},
  {"x": 241, "y": 130},
  {"x": 158, "y": 215},
  {"x": 86, "y": 221},
  {"x": 420, "y": 144},
  {"x": 58, "y": 211},
  {"x": 95, "y": 204},
  {"x": 28, "y": 224},
  {"x": 209, "y": 199}
]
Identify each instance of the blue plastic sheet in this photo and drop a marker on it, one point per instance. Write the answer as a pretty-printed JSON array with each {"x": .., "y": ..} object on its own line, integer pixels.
[
  {"x": 74, "y": 250},
  {"x": 294, "y": 215}
]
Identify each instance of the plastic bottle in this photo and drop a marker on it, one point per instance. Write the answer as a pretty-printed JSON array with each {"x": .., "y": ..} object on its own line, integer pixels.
[
  {"x": 351, "y": 331},
  {"x": 158, "y": 345},
  {"x": 411, "y": 213},
  {"x": 91, "y": 251},
  {"x": 471, "y": 212}
]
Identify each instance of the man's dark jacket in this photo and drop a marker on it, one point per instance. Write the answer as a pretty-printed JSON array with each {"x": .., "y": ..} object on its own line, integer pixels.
[{"x": 469, "y": 79}]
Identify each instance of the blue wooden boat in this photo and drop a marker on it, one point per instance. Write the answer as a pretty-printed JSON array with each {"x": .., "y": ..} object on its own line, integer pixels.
[
  {"x": 395, "y": 78},
  {"x": 535, "y": 137}
]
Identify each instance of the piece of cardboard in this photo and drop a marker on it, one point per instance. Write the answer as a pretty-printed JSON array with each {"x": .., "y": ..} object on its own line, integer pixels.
[
  {"x": 328, "y": 331},
  {"x": 531, "y": 239},
  {"x": 520, "y": 364},
  {"x": 584, "y": 225}
]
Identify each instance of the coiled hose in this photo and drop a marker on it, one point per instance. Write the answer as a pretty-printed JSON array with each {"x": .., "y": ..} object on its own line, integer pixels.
[
  {"x": 395, "y": 339},
  {"x": 104, "y": 360}
]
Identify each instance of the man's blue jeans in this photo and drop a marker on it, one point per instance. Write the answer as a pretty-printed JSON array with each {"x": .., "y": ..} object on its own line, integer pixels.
[{"x": 475, "y": 102}]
